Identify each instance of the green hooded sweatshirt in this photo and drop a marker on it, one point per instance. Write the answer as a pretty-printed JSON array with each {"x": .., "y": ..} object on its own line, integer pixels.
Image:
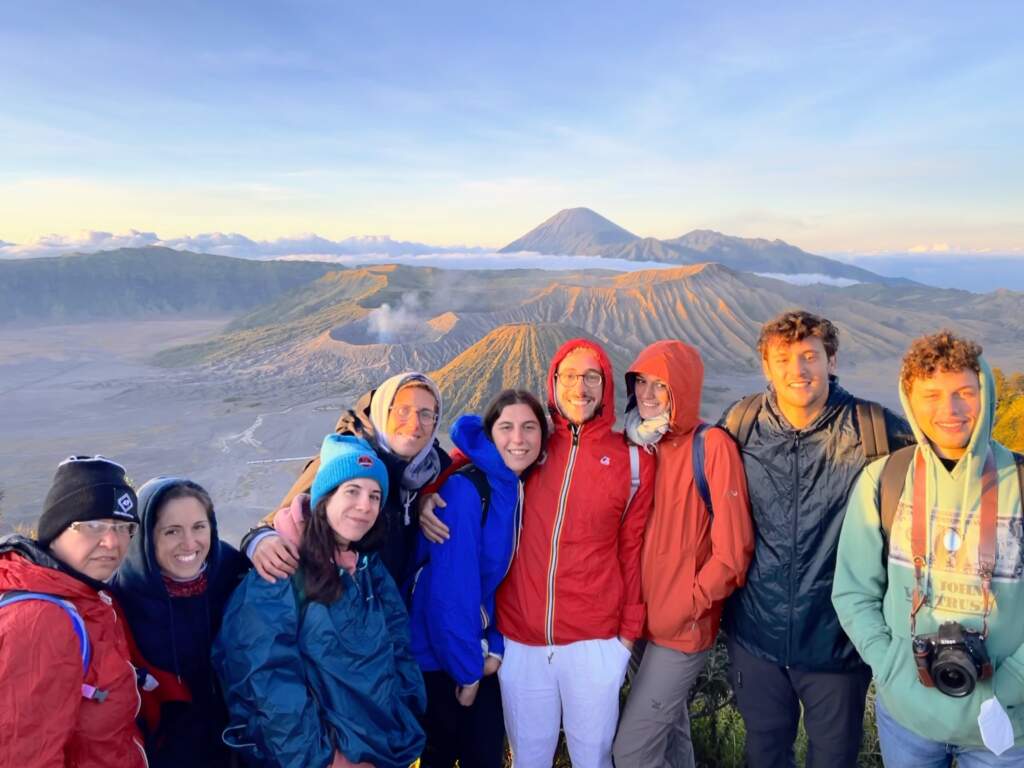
[{"x": 873, "y": 597}]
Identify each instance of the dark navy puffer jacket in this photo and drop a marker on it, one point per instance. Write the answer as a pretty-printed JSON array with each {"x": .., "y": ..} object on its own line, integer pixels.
[
  {"x": 799, "y": 482},
  {"x": 176, "y": 635}
]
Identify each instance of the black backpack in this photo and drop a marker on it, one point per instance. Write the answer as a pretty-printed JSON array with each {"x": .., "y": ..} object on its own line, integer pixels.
[
  {"x": 869, "y": 417},
  {"x": 894, "y": 475}
]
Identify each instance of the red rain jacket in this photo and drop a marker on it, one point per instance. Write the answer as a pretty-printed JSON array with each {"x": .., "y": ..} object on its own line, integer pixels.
[
  {"x": 576, "y": 575},
  {"x": 44, "y": 720},
  {"x": 691, "y": 564}
]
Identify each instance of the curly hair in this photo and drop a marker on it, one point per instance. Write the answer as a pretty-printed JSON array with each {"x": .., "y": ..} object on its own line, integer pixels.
[
  {"x": 942, "y": 351},
  {"x": 796, "y": 325}
]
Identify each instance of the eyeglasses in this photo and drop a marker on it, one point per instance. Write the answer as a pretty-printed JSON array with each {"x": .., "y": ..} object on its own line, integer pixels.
[
  {"x": 97, "y": 529},
  {"x": 590, "y": 378},
  {"x": 403, "y": 413}
]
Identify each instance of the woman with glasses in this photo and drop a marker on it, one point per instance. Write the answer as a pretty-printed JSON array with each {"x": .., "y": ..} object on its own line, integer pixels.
[
  {"x": 173, "y": 586},
  {"x": 399, "y": 420},
  {"x": 68, "y": 695}
]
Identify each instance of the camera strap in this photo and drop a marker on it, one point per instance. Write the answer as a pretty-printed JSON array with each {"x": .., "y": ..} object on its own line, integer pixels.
[{"x": 986, "y": 542}]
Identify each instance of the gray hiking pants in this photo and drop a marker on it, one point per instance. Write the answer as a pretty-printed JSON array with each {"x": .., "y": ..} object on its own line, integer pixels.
[{"x": 655, "y": 728}]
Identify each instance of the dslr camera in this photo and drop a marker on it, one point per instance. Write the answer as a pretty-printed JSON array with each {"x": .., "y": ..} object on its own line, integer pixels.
[{"x": 953, "y": 659}]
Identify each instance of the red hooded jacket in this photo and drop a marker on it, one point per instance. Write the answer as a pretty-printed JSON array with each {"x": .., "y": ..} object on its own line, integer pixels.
[
  {"x": 577, "y": 572},
  {"x": 691, "y": 564},
  {"x": 44, "y": 720}
]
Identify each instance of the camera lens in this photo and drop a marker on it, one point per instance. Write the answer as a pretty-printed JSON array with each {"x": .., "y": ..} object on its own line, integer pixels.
[{"x": 953, "y": 676}]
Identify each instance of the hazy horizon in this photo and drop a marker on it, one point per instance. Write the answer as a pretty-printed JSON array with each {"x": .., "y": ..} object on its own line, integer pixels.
[{"x": 840, "y": 128}]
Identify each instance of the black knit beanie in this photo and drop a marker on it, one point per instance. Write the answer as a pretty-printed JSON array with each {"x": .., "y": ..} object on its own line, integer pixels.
[{"x": 86, "y": 488}]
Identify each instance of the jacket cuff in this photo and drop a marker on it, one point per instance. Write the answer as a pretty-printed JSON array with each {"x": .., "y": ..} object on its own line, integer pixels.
[
  {"x": 254, "y": 537},
  {"x": 1008, "y": 683},
  {"x": 631, "y": 625}
]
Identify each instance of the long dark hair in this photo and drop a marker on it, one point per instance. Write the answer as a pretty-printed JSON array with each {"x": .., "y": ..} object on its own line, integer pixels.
[
  {"x": 322, "y": 580},
  {"x": 509, "y": 397}
]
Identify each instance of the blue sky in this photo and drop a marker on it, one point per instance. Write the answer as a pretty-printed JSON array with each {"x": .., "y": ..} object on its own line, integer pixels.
[{"x": 840, "y": 127}]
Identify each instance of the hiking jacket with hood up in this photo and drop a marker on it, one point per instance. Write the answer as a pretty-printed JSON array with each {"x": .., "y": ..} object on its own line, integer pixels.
[
  {"x": 577, "y": 573},
  {"x": 176, "y": 635},
  {"x": 690, "y": 563},
  {"x": 451, "y": 618},
  {"x": 799, "y": 481},
  {"x": 44, "y": 719},
  {"x": 872, "y": 592},
  {"x": 400, "y": 510}
]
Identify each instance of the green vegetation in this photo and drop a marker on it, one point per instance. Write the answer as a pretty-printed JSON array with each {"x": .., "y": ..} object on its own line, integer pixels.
[{"x": 1009, "y": 426}]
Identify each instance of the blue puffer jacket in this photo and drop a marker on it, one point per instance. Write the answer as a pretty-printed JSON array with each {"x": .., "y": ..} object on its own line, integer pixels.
[
  {"x": 452, "y": 614},
  {"x": 304, "y": 681},
  {"x": 176, "y": 635}
]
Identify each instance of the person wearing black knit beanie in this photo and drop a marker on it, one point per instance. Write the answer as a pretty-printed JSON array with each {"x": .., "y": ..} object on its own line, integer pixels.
[
  {"x": 89, "y": 516},
  {"x": 70, "y": 693}
]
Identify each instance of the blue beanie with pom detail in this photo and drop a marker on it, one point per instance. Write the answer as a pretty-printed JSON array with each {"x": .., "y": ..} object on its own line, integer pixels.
[{"x": 344, "y": 458}]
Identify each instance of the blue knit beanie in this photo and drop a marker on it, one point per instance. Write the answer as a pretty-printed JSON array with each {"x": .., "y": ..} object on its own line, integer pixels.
[{"x": 344, "y": 458}]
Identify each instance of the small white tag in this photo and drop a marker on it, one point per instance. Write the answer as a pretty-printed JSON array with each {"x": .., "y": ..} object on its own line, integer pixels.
[{"x": 996, "y": 729}]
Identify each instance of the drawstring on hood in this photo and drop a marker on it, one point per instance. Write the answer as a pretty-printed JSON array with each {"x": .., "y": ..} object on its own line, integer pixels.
[{"x": 969, "y": 468}]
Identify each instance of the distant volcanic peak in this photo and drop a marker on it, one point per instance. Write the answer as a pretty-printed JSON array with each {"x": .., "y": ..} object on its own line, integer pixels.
[{"x": 571, "y": 231}]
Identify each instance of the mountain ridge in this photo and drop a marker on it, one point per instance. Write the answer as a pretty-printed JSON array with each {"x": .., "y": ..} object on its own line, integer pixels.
[{"x": 584, "y": 232}]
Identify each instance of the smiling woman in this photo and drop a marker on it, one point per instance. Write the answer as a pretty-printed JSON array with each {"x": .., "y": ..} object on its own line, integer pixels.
[{"x": 174, "y": 584}]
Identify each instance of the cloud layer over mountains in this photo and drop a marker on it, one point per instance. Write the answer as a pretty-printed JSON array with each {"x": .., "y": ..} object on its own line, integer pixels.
[{"x": 226, "y": 244}]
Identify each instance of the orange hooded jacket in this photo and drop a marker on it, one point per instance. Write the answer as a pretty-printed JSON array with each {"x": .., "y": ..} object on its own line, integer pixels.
[
  {"x": 576, "y": 575},
  {"x": 690, "y": 563}
]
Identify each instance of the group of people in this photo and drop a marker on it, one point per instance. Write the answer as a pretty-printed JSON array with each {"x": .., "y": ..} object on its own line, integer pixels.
[{"x": 405, "y": 604}]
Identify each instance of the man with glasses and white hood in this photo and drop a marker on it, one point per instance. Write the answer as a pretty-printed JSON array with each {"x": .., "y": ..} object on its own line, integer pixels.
[{"x": 399, "y": 419}]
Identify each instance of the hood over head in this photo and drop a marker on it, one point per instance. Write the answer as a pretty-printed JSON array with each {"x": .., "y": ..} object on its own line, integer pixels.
[
  {"x": 139, "y": 575},
  {"x": 605, "y": 414},
  {"x": 680, "y": 366},
  {"x": 978, "y": 446},
  {"x": 380, "y": 403}
]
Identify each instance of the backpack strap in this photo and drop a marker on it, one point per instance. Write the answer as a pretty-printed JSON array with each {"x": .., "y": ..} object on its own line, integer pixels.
[
  {"x": 700, "y": 477},
  {"x": 742, "y": 416},
  {"x": 77, "y": 623},
  {"x": 1019, "y": 458},
  {"x": 634, "y": 475},
  {"x": 874, "y": 437},
  {"x": 890, "y": 486},
  {"x": 476, "y": 476}
]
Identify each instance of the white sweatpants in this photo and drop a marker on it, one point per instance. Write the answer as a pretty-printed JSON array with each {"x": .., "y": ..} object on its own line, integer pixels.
[{"x": 575, "y": 685}]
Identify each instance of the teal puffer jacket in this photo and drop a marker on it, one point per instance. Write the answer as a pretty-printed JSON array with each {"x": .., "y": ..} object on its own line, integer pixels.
[{"x": 302, "y": 681}]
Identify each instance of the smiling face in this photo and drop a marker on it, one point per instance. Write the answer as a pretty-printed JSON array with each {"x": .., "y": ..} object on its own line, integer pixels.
[
  {"x": 946, "y": 406},
  {"x": 407, "y": 429},
  {"x": 97, "y": 556},
  {"x": 181, "y": 538},
  {"x": 517, "y": 435},
  {"x": 652, "y": 396},
  {"x": 577, "y": 400},
  {"x": 352, "y": 509},
  {"x": 798, "y": 372}
]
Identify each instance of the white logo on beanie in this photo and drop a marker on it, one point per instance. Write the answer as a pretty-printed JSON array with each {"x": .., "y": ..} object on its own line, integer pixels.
[{"x": 125, "y": 505}]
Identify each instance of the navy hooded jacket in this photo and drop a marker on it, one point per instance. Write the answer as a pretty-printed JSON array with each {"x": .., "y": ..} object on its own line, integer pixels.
[
  {"x": 176, "y": 635},
  {"x": 799, "y": 482}
]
